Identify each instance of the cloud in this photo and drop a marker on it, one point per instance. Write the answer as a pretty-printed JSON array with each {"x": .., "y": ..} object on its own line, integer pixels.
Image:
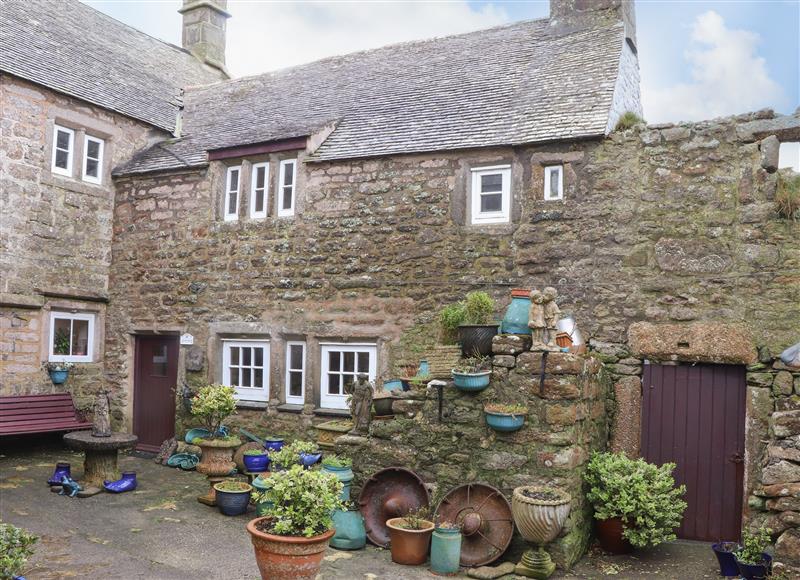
[
  {"x": 264, "y": 36},
  {"x": 728, "y": 77}
]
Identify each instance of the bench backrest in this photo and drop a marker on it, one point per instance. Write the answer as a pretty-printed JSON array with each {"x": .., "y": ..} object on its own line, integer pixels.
[{"x": 38, "y": 413}]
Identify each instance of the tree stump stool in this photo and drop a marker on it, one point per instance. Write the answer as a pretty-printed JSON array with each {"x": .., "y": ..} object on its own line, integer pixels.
[{"x": 100, "y": 456}]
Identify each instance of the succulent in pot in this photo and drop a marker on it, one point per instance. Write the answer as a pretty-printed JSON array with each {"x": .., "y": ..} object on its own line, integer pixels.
[
  {"x": 16, "y": 546},
  {"x": 752, "y": 558},
  {"x": 291, "y": 541},
  {"x": 256, "y": 460},
  {"x": 233, "y": 496},
  {"x": 410, "y": 537},
  {"x": 472, "y": 374},
  {"x": 505, "y": 417}
]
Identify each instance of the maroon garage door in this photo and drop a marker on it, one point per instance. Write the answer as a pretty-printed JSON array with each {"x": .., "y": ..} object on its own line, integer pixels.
[{"x": 693, "y": 416}]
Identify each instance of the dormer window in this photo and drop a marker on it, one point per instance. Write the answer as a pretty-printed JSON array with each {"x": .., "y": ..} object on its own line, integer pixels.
[
  {"x": 491, "y": 194},
  {"x": 63, "y": 149},
  {"x": 232, "y": 180},
  {"x": 554, "y": 182},
  {"x": 93, "y": 159},
  {"x": 259, "y": 184},
  {"x": 286, "y": 187}
]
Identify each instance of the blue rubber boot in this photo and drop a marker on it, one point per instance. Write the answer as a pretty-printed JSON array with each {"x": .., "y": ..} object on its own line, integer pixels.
[
  {"x": 126, "y": 483},
  {"x": 62, "y": 470}
]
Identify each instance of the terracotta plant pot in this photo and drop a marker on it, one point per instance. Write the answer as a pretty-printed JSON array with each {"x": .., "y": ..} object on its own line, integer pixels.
[
  {"x": 609, "y": 534},
  {"x": 288, "y": 557},
  {"x": 409, "y": 547}
]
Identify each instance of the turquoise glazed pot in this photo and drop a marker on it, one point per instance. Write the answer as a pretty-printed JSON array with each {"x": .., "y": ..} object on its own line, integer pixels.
[
  {"x": 58, "y": 377},
  {"x": 262, "y": 485},
  {"x": 471, "y": 382},
  {"x": 504, "y": 421},
  {"x": 350, "y": 532},
  {"x": 393, "y": 385},
  {"x": 445, "y": 551},
  {"x": 343, "y": 474},
  {"x": 516, "y": 319}
]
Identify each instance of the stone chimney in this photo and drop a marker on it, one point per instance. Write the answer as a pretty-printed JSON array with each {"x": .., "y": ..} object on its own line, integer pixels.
[
  {"x": 569, "y": 15},
  {"x": 204, "y": 30}
]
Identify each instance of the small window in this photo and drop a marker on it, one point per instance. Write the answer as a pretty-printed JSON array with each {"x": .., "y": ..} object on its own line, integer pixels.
[
  {"x": 491, "y": 195},
  {"x": 71, "y": 337},
  {"x": 93, "y": 159},
  {"x": 789, "y": 156},
  {"x": 286, "y": 188},
  {"x": 245, "y": 366},
  {"x": 232, "y": 180},
  {"x": 554, "y": 182},
  {"x": 63, "y": 146},
  {"x": 259, "y": 190},
  {"x": 340, "y": 365},
  {"x": 295, "y": 372}
]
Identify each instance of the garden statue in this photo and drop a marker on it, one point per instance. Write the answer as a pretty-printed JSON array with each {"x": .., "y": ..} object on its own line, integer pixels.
[
  {"x": 551, "y": 314},
  {"x": 69, "y": 487},
  {"x": 536, "y": 320},
  {"x": 101, "y": 426},
  {"x": 360, "y": 403}
]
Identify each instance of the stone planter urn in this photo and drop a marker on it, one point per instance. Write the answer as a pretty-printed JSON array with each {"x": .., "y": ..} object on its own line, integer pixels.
[
  {"x": 215, "y": 463},
  {"x": 539, "y": 513}
]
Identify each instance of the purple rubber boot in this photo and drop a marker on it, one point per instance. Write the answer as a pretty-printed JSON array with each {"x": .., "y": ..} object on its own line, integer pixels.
[
  {"x": 127, "y": 483},
  {"x": 62, "y": 469}
]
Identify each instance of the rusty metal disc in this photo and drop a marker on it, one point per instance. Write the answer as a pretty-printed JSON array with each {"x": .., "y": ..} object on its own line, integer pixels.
[
  {"x": 390, "y": 493},
  {"x": 485, "y": 518}
]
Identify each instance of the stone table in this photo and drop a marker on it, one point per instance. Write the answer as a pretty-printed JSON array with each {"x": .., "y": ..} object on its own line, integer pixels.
[{"x": 100, "y": 456}]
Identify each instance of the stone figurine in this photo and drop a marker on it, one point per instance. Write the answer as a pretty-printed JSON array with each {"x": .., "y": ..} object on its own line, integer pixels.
[
  {"x": 551, "y": 315},
  {"x": 69, "y": 487},
  {"x": 101, "y": 426},
  {"x": 361, "y": 393},
  {"x": 536, "y": 320}
]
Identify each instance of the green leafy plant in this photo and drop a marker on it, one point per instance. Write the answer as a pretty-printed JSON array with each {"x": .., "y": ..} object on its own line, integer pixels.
[
  {"x": 61, "y": 343},
  {"x": 212, "y": 405},
  {"x": 337, "y": 461},
  {"x": 507, "y": 408},
  {"x": 299, "y": 446},
  {"x": 627, "y": 120},
  {"x": 234, "y": 486},
  {"x": 479, "y": 308},
  {"x": 304, "y": 501},
  {"x": 450, "y": 317},
  {"x": 473, "y": 364},
  {"x": 415, "y": 520},
  {"x": 754, "y": 544},
  {"x": 16, "y": 546},
  {"x": 787, "y": 194},
  {"x": 643, "y": 495},
  {"x": 419, "y": 382},
  {"x": 255, "y": 452},
  {"x": 284, "y": 458}
]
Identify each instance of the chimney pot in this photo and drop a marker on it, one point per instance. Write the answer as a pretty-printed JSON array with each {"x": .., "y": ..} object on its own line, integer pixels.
[{"x": 204, "y": 24}]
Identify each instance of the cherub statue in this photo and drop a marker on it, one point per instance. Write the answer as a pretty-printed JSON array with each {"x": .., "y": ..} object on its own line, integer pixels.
[
  {"x": 101, "y": 425},
  {"x": 536, "y": 320},
  {"x": 551, "y": 315},
  {"x": 361, "y": 393}
]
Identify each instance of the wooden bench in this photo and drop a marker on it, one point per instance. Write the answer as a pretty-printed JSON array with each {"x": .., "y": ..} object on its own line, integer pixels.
[{"x": 20, "y": 415}]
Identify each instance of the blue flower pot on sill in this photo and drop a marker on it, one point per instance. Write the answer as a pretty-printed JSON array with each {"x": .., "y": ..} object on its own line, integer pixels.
[
  {"x": 504, "y": 422},
  {"x": 471, "y": 382},
  {"x": 59, "y": 377}
]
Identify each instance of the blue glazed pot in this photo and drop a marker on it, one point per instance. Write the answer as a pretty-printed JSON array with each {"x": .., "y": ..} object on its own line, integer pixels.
[
  {"x": 424, "y": 369},
  {"x": 256, "y": 463},
  {"x": 126, "y": 483},
  {"x": 445, "y": 551},
  {"x": 343, "y": 474},
  {"x": 756, "y": 571},
  {"x": 350, "y": 532},
  {"x": 726, "y": 558},
  {"x": 271, "y": 444},
  {"x": 471, "y": 381},
  {"x": 58, "y": 377},
  {"x": 504, "y": 422},
  {"x": 309, "y": 459},
  {"x": 393, "y": 385},
  {"x": 515, "y": 320},
  {"x": 62, "y": 469},
  {"x": 233, "y": 503}
]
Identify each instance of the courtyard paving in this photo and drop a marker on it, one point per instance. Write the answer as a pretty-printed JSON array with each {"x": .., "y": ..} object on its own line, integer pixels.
[{"x": 161, "y": 532}]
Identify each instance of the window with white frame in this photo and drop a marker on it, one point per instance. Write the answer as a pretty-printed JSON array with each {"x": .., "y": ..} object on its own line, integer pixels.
[
  {"x": 71, "y": 337},
  {"x": 339, "y": 366},
  {"x": 491, "y": 194},
  {"x": 286, "y": 187},
  {"x": 245, "y": 366},
  {"x": 232, "y": 180},
  {"x": 553, "y": 182},
  {"x": 295, "y": 372},
  {"x": 63, "y": 149},
  {"x": 259, "y": 190},
  {"x": 93, "y": 159}
]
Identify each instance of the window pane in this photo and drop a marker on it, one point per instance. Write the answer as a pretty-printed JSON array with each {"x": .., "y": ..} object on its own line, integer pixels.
[
  {"x": 61, "y": 336},
  {"x": 348, "y": 380},
  {"x": 333, "y": 384},
  {"x": 295, "y": 384},
  {"x": 91, "y": 167},
  {"x": 260, "y": 173},
  {"x": 363, "y": 362},
  {"x": 491, "y": 183},
  {"x": 349, "y": 362},
  {"x": 234, "y": 355},
  {"x": 159, "y": 368},
  {"x": 245, "y": 377},
  {"x": 287, "y": 198},
  {"x": 258, "y": 378},
  {"x": 333, "y": 361},
  {"x": 62, "y": 140},
  {"x": 259, "y": 201},
  {"x": 554, "y": 172},
  {"x": 233, "y": 185},
  {"x": 288, "y": 174},
  {"x": 61, "y": 159},
  {"x": 80, "y": 337},
  {"x": 246, "y": 356},
  {"x": 296, "y": 357},
  {"x": 232, "y": 201},
  {"x": 93, "y": 149},
  {"x": 492, "y": 202},
  {"x": 234, "y": 377},
  {"x": 259, "y": 356}
]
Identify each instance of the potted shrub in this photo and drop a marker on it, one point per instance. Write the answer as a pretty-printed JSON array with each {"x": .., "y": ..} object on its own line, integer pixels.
[
  {"x": 751, "y": 558},
  {"x": 255, "y": 460},
  {"x": 283, "y": 459},
  {"x": 472, "y": 374},
  {"x": 233, "y": 496},
  {"x": 351, "y": 534},
  {"x": 505, "y": 417},
  {"x": 725, "y": 553},
  {"x": 479, "y": 327},
  {"x": 446, "y": 548},
  {"x": 341, "y": 467},
  {"x": 16, "y": 546},
  {"x": 636, "y": 504},
  {"x": 291, "y": 541},
  {"x": 212, "y": 405},
  {"x": 410, "y": 537},
  {"x": 58, "y": 371}
]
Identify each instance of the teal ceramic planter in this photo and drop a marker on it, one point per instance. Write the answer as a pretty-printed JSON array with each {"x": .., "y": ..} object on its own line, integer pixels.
[
  {"x": 445, "y": 551},
  {"x": 393, "y": 385},
  {"x": 471, "y": 382},
  {"x": 343, "y": 474},
  {"x": 516, "y": 319},
  {"x": 350, "y": 531},
  {"x": 261, "y": 485},
  {"x": 59, "y": 377},
  {"x": 504, "y": 422}
]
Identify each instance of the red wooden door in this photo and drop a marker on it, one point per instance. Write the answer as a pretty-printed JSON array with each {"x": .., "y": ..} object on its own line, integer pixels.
[
  {"x": 694, "y": 416},
  {"x": 155, "y": 378}
]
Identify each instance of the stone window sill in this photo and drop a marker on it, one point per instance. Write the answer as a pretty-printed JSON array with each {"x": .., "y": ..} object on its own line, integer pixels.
[
  {"x": 290, "y": 408},
  {"x": 254, "y": 405},
  {"x": 331, "y": 412}
]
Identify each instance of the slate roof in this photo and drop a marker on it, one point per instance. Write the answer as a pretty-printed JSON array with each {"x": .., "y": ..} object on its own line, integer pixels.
[
  {"x": 502, "y": 86},
  {"x": 74, "y": 49}
]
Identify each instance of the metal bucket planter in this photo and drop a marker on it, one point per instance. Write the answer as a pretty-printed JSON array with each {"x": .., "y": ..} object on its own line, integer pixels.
[
  {"x": 476, "y": 339},
  {"x": 504, "y": 422},
  {"x": 471, "y": 382}
]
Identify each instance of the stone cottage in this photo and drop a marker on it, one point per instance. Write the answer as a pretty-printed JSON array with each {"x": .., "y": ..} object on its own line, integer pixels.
[{"x": 280, "y": 233}]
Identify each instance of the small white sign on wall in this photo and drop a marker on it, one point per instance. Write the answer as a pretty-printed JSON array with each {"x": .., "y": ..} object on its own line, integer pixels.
[{"x": 187, "y": 339}]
